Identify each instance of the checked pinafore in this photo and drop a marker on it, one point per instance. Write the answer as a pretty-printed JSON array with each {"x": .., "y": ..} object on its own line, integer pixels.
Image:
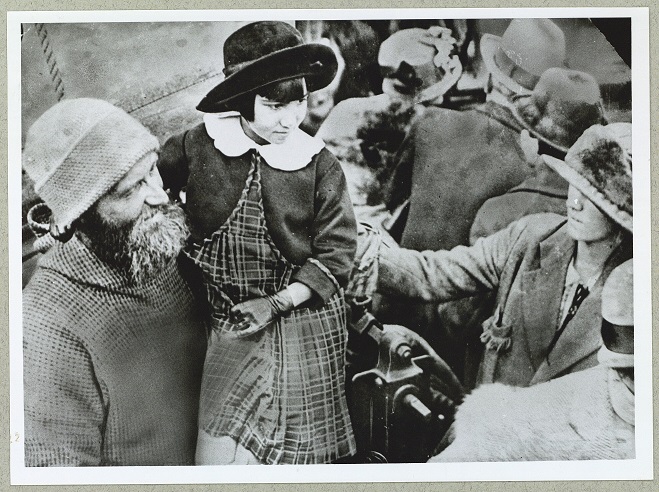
[{"x": 278, "y": 391}]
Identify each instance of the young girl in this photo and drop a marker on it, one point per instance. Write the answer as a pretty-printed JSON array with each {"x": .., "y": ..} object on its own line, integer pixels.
[{"x": 274, "y": 234}]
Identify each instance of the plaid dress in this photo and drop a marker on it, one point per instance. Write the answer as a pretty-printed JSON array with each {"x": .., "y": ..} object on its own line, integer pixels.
[{"x": 278, "y": 391}]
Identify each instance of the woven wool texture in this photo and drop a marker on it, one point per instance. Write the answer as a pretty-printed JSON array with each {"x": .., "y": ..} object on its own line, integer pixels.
[{"x": 111, "y": 371}]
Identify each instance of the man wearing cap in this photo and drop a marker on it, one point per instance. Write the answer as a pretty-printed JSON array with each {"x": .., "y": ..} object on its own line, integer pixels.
[
  {"x": 563, "y": 104},
  {"x": 582, "y": 416},
  {"x": 112, "y": 342}
]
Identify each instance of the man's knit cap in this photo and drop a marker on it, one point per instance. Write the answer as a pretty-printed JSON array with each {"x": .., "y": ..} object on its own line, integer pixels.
[{"x": 78, "y": 150}]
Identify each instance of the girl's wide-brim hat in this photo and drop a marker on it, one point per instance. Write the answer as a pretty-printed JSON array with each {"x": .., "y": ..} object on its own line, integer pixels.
[
  {"x": 264, "y": 53},
  {"x": 526, "y": 49},
  {"x": 563, "y": 104},
  {"x": 599, "y": 165}
]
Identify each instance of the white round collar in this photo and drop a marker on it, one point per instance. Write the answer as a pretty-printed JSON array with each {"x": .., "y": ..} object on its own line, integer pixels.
[{"x": 230, "y": 139}]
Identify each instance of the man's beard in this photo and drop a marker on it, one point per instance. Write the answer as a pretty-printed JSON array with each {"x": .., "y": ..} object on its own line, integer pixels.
[{"x": 140, "y": 249}]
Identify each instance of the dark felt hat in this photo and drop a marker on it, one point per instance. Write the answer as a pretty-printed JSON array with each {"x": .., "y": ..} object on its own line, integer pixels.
[
  {"x": 563, "y": 104},
  {"x": 263, "y": 53}
]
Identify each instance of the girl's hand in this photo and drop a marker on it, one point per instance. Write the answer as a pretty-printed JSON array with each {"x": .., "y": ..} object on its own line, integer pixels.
[{"x": 254, "y": 313}]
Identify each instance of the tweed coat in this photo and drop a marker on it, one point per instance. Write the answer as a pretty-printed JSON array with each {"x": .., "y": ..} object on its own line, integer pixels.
[
  {"x": 111, "y": 369},
  {"x": 544, "y": 192},
  {"x": 525, "y": 264},
  {"x": 450, "y": 163}
]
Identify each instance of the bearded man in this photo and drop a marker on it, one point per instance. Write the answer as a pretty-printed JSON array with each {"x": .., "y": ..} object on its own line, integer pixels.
[{"x": 113, "y": 343}]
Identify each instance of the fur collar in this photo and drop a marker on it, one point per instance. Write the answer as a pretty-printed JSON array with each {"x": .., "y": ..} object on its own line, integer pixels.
[{"x": 230, "y": 139}]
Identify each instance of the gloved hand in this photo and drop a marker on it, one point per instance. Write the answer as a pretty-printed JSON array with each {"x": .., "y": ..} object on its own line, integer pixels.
[{"x": 254, "y": 314}]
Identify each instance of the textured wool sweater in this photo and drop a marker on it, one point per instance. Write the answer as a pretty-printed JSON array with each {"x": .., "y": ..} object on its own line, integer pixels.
[{"x": 111, "y": 371}]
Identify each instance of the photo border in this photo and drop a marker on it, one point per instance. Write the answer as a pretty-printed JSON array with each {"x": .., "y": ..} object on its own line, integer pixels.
[{"x": 569, "y": 470}]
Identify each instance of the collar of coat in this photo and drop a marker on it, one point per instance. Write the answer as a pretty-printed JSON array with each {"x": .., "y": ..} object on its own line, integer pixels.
[
  {"x": 230, "y": 139},
  {"x": 77, "y": 263},
  {"x": 545, "y": 181},
  {"x": 499, "y": 113},
  {"x": 543, "y": 285}
]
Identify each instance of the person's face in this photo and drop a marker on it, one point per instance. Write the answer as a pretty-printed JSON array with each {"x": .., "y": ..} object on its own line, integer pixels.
[
  {"x": 274, "y": 121},
  {"x": 585, "y": 222},
  {"x": 140, "y": 186}
]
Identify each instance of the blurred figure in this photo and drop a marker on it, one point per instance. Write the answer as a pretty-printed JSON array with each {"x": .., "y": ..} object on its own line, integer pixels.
[
  {"x": 418, "y": 67},
  {"x": 562, "y": 106},
  {"x": 453, "y": 161},
  {"x": 355, "y": 45},
  {"x": 587, "y": 415}
]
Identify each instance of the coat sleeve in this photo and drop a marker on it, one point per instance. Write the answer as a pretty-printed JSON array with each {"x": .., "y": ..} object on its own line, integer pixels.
[
  {"x": 334, "y": 241},
  {"x": 64, "y": 405},
  {"x": 173, "y": 164},
  {"x": 445, "y": 275}
]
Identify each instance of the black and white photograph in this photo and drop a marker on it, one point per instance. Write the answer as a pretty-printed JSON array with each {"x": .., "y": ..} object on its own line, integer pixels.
[{"x": 397, "y": 242}]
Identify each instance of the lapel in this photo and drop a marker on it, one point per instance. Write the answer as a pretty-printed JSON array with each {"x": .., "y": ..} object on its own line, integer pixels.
[
  {"x": 542, "y": 289},
  {"x": 582, "y": 336}
]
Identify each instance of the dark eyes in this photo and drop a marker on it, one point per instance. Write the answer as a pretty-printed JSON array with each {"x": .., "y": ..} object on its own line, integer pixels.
[{"x": 283, "y": 105}]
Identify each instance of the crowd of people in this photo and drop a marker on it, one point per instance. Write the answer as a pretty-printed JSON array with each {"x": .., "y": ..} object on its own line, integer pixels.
[{"x": 190, "y": 305}]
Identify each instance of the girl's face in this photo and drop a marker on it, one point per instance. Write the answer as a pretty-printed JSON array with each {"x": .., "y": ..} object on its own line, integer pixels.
[
  {"x": 274, "y": 121},
  {"x": 585, "y": 222}
]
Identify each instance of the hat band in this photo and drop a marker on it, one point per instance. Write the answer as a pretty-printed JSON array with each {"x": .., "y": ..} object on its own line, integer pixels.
[
  {"x": 511, "y": 69},
  {"x": 236, "y": 67},
  {"x": 618, "y": 338}
]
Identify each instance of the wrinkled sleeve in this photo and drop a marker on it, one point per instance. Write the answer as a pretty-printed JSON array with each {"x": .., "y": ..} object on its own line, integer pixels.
[
  {"x": 64, "y": 405},
  {"x": 173, "y": 164},
  {"x": 334, "y": 241},
  {"x": 446, "y": 275}
]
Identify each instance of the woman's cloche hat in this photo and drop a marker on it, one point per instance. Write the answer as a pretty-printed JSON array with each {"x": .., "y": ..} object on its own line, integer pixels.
[
  {"x": 563, "y": 104},
  {"x": 266, "y": 52},
  {"x": 599, "y": 165}
]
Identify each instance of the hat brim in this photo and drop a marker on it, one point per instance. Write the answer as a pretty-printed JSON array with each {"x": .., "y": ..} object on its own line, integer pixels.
[
  {"x": 573, "y": 177},
  {"x": 315, "y": 62},
  {"x": 489, "y": 45},
  {"x": 533, "y": 131}
]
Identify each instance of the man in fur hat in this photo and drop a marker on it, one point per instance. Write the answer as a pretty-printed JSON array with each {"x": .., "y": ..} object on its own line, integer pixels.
[{"x": 113, "y": 347}]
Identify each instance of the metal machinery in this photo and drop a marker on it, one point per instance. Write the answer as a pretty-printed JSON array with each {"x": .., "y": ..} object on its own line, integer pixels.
[{"x": 402, "y": 396}]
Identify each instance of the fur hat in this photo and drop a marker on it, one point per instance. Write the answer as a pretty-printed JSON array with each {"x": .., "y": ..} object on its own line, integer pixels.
[
  {"x": 618, "y": 309},
  {"x": 599, "y": 164},
  {"x": 415, "y": 59},
  {"x": 266, "y": 52},
  {"x": 77, "y": 151},
  {"x": 563, "y": 104},
  {"x": 527, "y": 48}
]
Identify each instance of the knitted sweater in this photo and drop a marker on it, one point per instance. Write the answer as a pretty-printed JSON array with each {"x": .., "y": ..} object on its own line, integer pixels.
[{"x": 111, "y": 371}]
